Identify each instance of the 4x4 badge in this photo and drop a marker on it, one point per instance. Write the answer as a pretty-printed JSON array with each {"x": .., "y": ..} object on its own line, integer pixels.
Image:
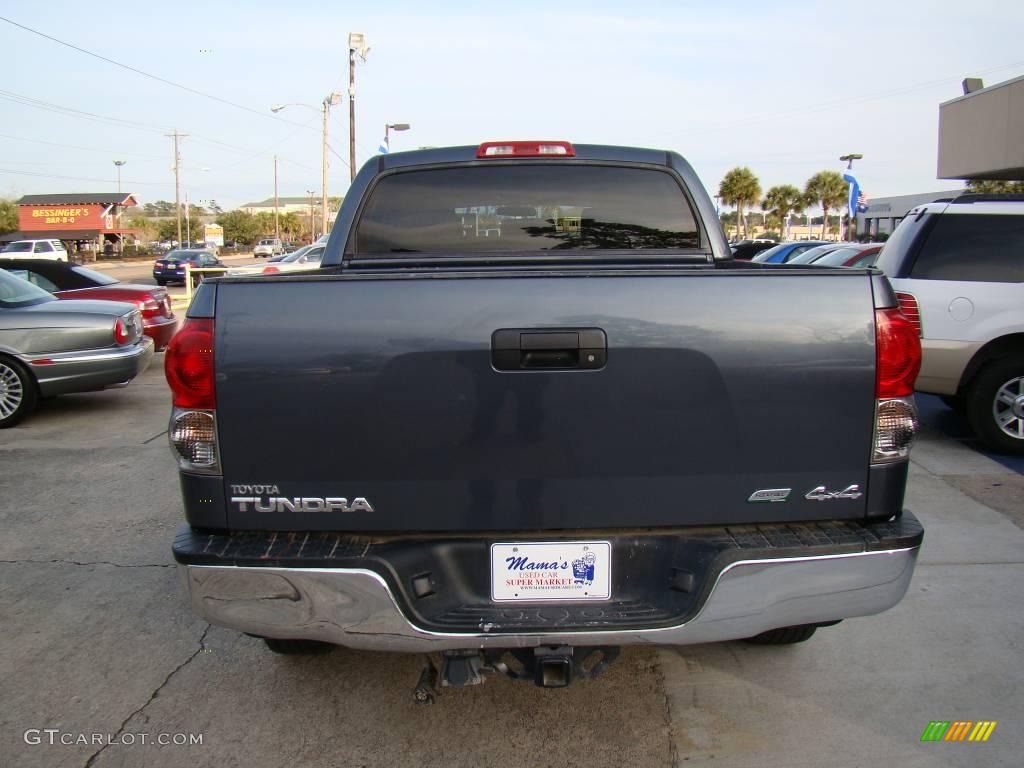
[{"x": 822, "y": 494}]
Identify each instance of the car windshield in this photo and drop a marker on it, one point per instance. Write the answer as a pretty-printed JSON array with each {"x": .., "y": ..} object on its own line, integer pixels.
[
  {"x": 15, "y": 292},
  {"x": 93, "y": 276},
  {"x": 18, "y": 248},
  {"x": 837, "y": 257},
  {"x": 812, "y": 254},
  {"x": 296, "y": 254}
]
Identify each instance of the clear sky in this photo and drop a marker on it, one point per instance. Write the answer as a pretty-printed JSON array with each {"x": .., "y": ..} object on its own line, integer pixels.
[{"x": 783, "y": 87}]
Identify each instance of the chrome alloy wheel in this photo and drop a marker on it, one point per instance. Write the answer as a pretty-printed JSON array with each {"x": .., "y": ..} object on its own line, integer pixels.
[
  {"x": 1008, "y": 408},
  {"x": 12, "y": 391}
]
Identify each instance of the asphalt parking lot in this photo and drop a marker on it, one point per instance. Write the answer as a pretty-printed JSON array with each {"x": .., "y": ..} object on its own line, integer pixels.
[{"x": 98, "y": 640}]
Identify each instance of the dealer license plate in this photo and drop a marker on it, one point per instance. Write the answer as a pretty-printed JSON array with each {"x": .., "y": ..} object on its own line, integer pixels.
[{"x": 551, "y": 570}]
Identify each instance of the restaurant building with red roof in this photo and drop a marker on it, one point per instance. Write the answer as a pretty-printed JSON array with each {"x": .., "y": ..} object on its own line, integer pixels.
[{"x": 88, "y": 223}]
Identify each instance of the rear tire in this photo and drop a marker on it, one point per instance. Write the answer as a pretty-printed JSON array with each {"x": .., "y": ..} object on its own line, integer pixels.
[
  {"x": 298, "y": 647},
  {"x": 18, "y": 392},
  {"x": 784, "y": 635},
  {"x": 995, "y": 406}
]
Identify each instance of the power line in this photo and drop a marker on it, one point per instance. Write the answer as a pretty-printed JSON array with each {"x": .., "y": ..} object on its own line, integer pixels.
[
  {"x": 84, "y": 149},
  {"x": 49, "y": 106},
  {"x": 159, "y": 79},
  {"x": 79, "y": 178}
]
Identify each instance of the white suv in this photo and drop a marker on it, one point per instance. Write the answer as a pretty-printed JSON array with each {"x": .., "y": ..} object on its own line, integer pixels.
[
  {"x": 958, "y": 270},
  {"x": 36, "y": 249},
  {"x": 268, "y": 247}
]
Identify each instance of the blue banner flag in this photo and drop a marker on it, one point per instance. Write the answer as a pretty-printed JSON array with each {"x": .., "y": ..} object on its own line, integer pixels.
[
  {"x": 857, "y": 201},
  {"x": 383, "y": 148}
]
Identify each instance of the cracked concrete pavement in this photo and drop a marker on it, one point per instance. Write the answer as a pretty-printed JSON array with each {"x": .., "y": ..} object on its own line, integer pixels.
[{"x": 98, "y": 640}]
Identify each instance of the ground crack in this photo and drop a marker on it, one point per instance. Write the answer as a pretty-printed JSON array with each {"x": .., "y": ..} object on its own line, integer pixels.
[
  {"x": 673, "y": 748},
  {"x": 97, "y": 562},
  {"x": 172, "y": 673}
]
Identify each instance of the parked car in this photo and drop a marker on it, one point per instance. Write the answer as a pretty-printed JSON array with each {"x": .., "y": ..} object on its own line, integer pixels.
[
  {"x": 268, "y": 247},
  {"x": 784, "y": 252},
  {"x": 307, "y": 257},
  {"x": 50, "y": 347},
  {"x": 69, "y": 281},
  {"x": 811, "y": 255},
  {"x": 856, "y": 255},
  {"x": 171, "y": 268},
  {"x": 745, "y": 250},
  {"x": 546, "y": 441},
  {"x": 958, "y": 271},
  {"x": 53, "y": 250}
]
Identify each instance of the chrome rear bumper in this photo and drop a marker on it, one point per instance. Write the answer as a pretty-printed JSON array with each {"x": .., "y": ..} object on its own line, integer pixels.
[{"x": 356, "y": 608}]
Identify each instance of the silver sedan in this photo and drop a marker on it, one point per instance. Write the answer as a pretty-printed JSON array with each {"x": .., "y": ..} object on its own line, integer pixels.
[{"x": 50, "y": 347}]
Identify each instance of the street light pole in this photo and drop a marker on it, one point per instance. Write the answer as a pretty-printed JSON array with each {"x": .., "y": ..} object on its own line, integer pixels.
[
  {"x": 119, "y": 163},
  {"x": 851, "y": 221},
  {"x": 329, "y": 100},
  {"x": 393, "y": 127}
]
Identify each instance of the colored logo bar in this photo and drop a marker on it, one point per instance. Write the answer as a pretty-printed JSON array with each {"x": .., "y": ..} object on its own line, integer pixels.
[{"x": 959, "y": 730}]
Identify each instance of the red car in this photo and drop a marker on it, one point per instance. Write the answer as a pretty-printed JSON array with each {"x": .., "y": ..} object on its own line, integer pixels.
[{"x": 70, "y": 281}]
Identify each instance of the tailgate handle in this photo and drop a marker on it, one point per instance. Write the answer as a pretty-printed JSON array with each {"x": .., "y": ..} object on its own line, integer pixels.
[{"x": 529, "y": 349}]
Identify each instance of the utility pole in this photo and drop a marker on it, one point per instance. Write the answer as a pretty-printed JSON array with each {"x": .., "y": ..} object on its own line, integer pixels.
[
  {"x": 356, "y": 42},
  {"x": 311, "y": 192},
  {"x": 277, "y": 220},
  {"x": 188, "y": 223},
  {"x": 324, "y": 164},
  {"x": 177, "y": 177}
]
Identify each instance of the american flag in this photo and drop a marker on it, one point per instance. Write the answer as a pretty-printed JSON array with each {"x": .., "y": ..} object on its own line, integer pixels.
[{"x": 862, "y": 202}]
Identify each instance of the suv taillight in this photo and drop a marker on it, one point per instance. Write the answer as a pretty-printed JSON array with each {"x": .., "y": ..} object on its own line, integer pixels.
[
  {"x": 908, "y": 306},
  {"x": 188, "y": 366},
  {"x": 897, "y": 362}
]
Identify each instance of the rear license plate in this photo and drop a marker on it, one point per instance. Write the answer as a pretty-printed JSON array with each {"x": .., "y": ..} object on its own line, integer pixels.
[{"x": 551, "y": 570}]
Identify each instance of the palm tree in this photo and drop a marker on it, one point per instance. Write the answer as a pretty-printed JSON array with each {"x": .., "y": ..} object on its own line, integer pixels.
[
  {"x": 740, "y": 187},
  {"x": 782, "y": 200},
  {"x": 827, "y": 189}
]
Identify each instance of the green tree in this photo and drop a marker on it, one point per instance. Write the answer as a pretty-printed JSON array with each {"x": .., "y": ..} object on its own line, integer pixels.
[
  {"x": 158, "y": 208},
  {"x": 167, "y": 229},
  {"x": 782, "y": 200},
  {"x": 827, "y": 189},
  {"x": 8, "y": 217},
  {"x": 740, "y": 188},
  {"x": 240, "y": 226},
  {"x": 291, "y": 225},
  {"x": 995, "y": 186}
]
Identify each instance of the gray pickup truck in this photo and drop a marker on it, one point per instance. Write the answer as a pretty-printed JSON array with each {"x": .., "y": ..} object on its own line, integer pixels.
[{"x": 529, "y": 410}]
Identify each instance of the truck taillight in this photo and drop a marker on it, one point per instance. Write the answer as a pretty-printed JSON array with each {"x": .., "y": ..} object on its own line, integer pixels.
[
  {"x": 188, "y": 366},
  {"x": 525, "y": 149},
  {"x": 897, "y": 362},
  {"x": 193, "y": 437},
  {"x": 897, "y": 354}
]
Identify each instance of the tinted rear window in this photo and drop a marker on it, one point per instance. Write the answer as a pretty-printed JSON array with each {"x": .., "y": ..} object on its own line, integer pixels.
[
  {"x": 506, "y": 208},
  {"x": 983, "y": 248}
]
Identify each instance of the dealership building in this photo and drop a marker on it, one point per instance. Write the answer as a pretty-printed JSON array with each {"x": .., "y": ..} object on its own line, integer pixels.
[{"x": 87, "y": 223}]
